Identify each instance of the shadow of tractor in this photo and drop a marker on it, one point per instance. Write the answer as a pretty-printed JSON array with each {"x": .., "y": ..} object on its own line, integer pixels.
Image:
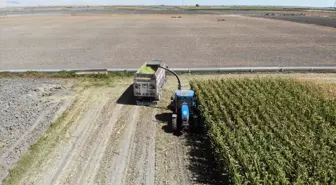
[
  {"x": 165, "y": 118},
  {"x": 203, "y": 165}
]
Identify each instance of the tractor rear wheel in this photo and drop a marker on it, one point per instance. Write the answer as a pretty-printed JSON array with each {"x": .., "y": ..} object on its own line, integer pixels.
[
  {"x": 195, "y": 124},
  {"x": 174, "y": 123}
]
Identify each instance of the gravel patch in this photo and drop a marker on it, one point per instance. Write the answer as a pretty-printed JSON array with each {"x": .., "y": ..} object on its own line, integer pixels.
[{"x": 27, "y": 109}]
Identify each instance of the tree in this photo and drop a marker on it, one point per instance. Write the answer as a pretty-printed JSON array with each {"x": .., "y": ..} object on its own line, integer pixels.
[{"x": 197, "y": 5}]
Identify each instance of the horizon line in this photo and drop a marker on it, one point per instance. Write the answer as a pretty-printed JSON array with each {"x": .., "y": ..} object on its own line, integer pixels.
[{"x": 168, "y": 5}]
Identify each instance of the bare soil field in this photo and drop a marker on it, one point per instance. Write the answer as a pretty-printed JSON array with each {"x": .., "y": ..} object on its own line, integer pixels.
[
  {"x": 157, "y": 10},
  {"x": 27, "y": 109},
  {"x": 323, "y": 21},
  {"x": 126, "y": 41},
  {"x": 96, "y": 10},
  {"x": 103, "y": 138}
]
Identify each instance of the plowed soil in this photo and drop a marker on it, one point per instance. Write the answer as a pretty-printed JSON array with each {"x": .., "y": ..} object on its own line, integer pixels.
[{"x": 27, "y": 109}]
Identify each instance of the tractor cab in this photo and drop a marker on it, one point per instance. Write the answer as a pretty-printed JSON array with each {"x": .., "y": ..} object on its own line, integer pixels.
[{"x": 183, "y": 97}]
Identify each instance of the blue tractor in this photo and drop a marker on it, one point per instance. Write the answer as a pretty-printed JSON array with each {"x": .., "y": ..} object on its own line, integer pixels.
[
  {"x": 183, "y": 105},
  {"x": 184, "y": 110}
]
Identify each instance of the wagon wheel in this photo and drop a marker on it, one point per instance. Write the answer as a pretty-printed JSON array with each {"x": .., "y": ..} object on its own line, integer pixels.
[{"x": 174, "y": 123}]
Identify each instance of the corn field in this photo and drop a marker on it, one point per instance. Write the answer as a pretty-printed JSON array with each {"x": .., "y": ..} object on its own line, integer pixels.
[{"x": 269, "y": 131}]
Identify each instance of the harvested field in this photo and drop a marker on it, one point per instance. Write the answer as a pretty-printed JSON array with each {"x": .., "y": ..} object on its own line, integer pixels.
[
  {"x": 156, "y": 10},
  {"x": 124, "y": 11},
  {"x": 27, "y": 108},
  {"x": 112, "y": 41},
  {"x": 270, "y": 131}
]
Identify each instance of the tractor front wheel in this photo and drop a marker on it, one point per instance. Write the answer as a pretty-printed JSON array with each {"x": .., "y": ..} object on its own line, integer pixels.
[{"x": 174, "y": 123}]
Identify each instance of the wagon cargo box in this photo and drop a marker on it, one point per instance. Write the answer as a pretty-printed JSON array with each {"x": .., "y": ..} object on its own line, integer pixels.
[{"x": 149, "y": 81}]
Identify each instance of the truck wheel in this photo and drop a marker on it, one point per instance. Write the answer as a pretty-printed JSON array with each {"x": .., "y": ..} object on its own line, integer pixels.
[{"x": 174, "y": 122}]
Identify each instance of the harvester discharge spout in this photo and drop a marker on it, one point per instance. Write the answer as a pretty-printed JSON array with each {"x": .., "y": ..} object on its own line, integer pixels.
[{"x": 178, "y": 79}]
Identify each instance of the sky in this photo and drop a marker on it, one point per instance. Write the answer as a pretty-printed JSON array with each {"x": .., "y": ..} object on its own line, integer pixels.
[{"x": 312, "y": 3}]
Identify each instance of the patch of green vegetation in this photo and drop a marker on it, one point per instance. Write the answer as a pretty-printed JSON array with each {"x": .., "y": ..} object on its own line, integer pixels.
[
  {"x": 35, "y": 74},
  {"x": 63, "y": 74},
  {"x": 97, "y": 79},
  {"x": 109, "y": 79}
]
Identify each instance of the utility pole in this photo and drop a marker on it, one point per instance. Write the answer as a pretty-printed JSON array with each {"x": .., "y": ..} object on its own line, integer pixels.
[
  {"x": 182, "y": 5},
  {"x": 334, "y": 10}
]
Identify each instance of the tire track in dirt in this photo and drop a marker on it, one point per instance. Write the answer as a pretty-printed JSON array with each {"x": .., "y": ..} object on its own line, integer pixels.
[
  {"x": 93, "y": 164},
  {"x": 171, "y": 161},
  {"x": 151, "y": 153},
  {"x": 142, "y": 157},
  {"x": 87, "y": 131},
  {"x": 115, "y": 159},
  {"x": 117, "y": 172}
]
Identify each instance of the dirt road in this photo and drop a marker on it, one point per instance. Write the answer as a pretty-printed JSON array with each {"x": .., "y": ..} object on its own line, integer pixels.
[
  {"x": 99, "y": 144},
  {"x": 104, "y": 139}
]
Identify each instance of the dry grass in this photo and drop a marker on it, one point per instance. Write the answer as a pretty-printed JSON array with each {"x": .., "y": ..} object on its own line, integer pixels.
[{"x": 326, "y": 89}]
